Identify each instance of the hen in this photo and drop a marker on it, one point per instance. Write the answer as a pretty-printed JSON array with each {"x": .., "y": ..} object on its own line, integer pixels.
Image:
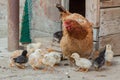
[{"x": 77, "y": 34}]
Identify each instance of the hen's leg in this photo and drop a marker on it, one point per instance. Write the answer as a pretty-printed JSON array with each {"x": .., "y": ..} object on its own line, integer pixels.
[{"x": 72, "y": 62}]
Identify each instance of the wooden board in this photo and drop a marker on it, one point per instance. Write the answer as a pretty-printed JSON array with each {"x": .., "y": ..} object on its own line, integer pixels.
[
  {"x": 65, "y": 4},
  {"x": 109, "y": 3},
  {"x": 92, "y": 11},
  {"x": 114, "y": 40},
  {"x": 109, "y": 21}
]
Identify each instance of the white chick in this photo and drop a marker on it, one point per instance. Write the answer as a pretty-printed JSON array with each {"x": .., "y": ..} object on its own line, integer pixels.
[
  {"x": 51, "y": 59},
  {"x": 82, "y": 63},
  {"x": 35, "y": 59},
  {"x": 32, "y": 47},
  {"x": 108, "y": 55},
  {"x": 57, "y": 56}
]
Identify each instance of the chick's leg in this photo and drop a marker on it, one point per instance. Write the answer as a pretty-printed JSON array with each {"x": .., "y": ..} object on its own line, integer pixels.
[
  {"x": 108, "y": 63},
  {"x": 34, "y": 68},
  {"x": 45, "y": 69},
  {"x": 96, "y": 68},
  {"x": 12, "y": 63},
  {"x": 20, "y": 66},
  {"x": 86, "y": 70},
  {"x": 72, "y": 62},
  {"x": 81, "y": 70},
  {"x": 52, "y": 69}
]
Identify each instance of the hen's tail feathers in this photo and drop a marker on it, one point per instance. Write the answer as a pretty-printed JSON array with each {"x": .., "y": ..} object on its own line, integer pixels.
[{"x": 61, "y": 8}]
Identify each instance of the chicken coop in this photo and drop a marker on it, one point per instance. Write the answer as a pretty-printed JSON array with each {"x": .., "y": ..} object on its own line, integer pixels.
[{"x": 45, "y": 19}]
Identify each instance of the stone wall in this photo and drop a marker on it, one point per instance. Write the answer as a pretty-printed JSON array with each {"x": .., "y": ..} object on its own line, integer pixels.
[
  {"x": 3, "y": 18},
  {"x": 45, "y": 18}
]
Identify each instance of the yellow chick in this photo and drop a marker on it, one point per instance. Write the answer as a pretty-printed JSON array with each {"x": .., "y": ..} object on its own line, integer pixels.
[
  {"x": 32, "y": 47},
  {"x": 83, "y": 63},
  {"x": 109, "y": 55},
  {"x": 35, "y": 59},
  {"x": 51, "y": 59}
]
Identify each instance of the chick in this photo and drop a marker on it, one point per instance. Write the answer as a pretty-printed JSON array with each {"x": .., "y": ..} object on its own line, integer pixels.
[
  {"x": 51, "y": 59},
  {"x": 109, "y": 55},
  {"x": 100, "y": 60},
  {"x": 57, "y": 35},
  {"x": 35, "y": 59},
  {"x": 82, "y": 63},
  {"x": 32, "y": 47},
  {"x": 22, "y": 59},
  {"x": 15, "y": 54},
  {"x": 57, "y": 56}
]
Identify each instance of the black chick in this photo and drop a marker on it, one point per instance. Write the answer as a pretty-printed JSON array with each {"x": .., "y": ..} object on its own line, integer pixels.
[
  {"x": 100, "y": 60},
  {"x": 22, "y": 58},
  {"x": 58, "y": 35}
]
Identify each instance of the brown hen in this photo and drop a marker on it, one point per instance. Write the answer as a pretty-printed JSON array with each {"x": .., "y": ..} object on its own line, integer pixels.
[{"x": 77, "y": 34}]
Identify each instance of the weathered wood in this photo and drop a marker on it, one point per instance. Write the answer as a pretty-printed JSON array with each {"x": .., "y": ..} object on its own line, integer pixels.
[
  {"x": 109, "y": 3},
  {"x": 13, "y": 24},
  {"x": 114, "y": 40},
  {"x": 65, "y": 3},
  {"x": 109, "y": 21},
  {"x": 93, "y": 11}
]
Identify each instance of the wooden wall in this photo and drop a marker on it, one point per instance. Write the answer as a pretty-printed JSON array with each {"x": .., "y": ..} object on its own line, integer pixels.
[
  {"x": 109, "y": 32},
  {"x": 105, "y": 16}
]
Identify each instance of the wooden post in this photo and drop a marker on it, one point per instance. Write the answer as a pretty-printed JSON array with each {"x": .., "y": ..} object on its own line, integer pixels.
[
  {"x": 13, "y": 25},
  {"x": 65, "y": 4}
]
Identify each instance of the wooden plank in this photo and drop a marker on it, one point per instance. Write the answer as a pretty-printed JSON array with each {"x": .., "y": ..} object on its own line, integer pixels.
[
  {"x": 114, "y": 40},
  {"x": 65, "y": 3},
  {"x": 92, "y": 11},
  {"x": 109, "y": 21},
  {"x": 109, "y": 3}
]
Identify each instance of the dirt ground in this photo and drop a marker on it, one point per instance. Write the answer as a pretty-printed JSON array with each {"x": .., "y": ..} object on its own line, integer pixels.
[{"x": 7, "y": 73}]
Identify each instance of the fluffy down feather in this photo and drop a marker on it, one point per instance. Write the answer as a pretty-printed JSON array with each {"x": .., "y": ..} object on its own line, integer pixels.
[
  {"x": 82, "y": 63},
  {"x": 35, "y": 59}
]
